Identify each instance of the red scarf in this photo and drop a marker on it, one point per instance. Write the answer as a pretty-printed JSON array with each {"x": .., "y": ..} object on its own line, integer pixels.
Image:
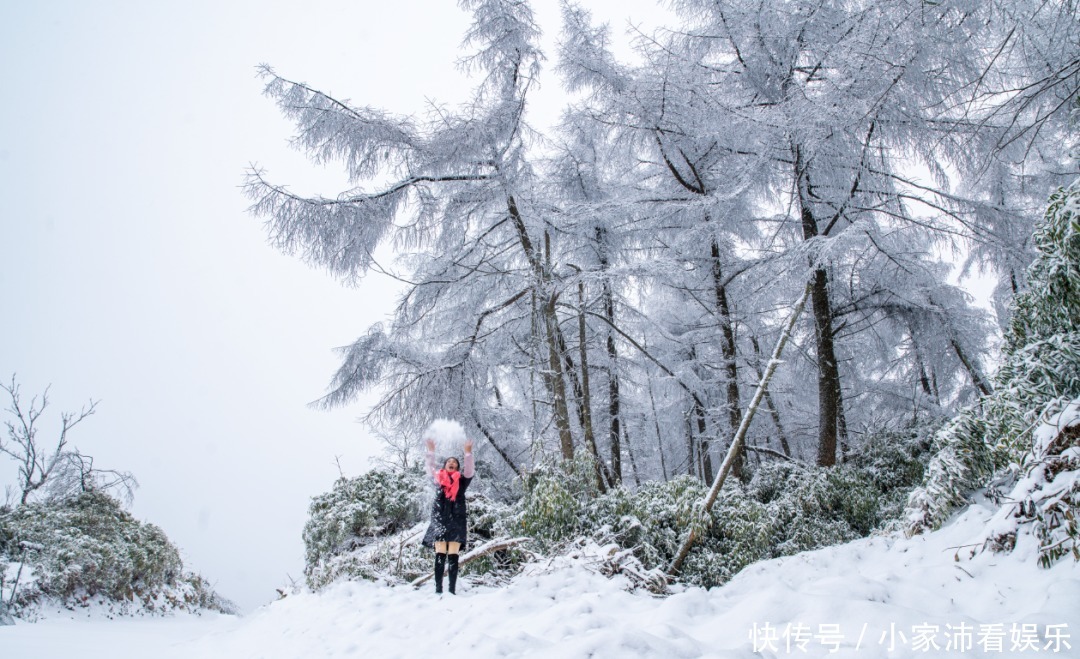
[{"x": 449, "y": 481}]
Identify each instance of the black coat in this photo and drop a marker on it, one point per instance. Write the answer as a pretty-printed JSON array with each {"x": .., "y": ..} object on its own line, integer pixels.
[{"x": 449, "y": 519}]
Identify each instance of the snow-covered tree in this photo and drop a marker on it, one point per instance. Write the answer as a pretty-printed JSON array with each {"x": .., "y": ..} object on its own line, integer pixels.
[
  {"x": 54, "y": 471},
  {"x": 608, "y": 288},
  {"x": 477, "y": 334},
  {"x": 796, "y": 132}
]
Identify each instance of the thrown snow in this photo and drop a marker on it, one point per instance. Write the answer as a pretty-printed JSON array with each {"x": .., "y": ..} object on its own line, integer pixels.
[
  {"x": 876, "y": 597},
  {"x": 449, "y": 437}
]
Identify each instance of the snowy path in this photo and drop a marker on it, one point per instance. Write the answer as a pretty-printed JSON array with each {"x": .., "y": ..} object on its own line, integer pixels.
[
  {"x": 102, "y": 638},
  {"x": 879, "y": 597}
]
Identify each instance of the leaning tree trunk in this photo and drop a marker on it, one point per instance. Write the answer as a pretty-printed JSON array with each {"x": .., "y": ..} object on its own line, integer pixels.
[
  {"x": 498, "y": 449},
  {"x": 977, "y": 378},
  {"x": 774, "y": 412},
  {"x": 740, "y": 435}
]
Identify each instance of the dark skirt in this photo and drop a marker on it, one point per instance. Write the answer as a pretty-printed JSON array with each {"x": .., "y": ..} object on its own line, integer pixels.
[{"x": 449, "y": 519}]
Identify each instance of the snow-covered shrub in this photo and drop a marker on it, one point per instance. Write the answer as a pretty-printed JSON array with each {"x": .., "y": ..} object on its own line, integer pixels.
[
  {"x": 1051, "y": 304},
  {"x": 7, "y": 534},
  {"x": 370, "y": 527},
  {"x": 962, "y": 462},
  {"x": 1040, "y": 373},
  {"x": 803, "y": 507},
  {"x": 490, "y": 518},
  {"x": 652, "y": 519},
  {"x": 356, "y": 511},
  {"x": 555, "y": 498},
  {"x": 390, "y": 558},
  {"x": 1054, "y": 502},
  {"x": 784, "y": 509},
  {"x": 1046, "y": 496},
  {"x": 895, "y": 460},
  {"x": 393, "y": 555},
  {"x": 88, "y": 547}
]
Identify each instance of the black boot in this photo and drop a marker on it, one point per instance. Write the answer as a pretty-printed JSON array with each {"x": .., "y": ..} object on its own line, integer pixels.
[
  {"x": 440, "y": 564},
  {"x": 453, "y": 573}
]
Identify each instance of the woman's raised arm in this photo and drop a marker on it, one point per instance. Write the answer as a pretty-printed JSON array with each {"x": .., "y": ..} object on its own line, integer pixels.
[
  {"x": 429, "y": 459},
  {"x": 468, "y": 469}
]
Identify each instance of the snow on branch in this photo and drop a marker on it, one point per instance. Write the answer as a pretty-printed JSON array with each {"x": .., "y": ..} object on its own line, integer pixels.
[
  {"x": 585, "y": 59},
  {"x": 366, "y": 139}
]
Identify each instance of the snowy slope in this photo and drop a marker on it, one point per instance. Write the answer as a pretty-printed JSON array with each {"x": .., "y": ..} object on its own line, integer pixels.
[{"x": 877, "y": 597}]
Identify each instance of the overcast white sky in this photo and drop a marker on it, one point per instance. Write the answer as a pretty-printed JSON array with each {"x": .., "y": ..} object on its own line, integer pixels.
[{"x": 132, "y": 274}]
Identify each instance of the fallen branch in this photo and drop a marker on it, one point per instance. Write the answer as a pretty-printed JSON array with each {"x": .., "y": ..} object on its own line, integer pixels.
[
  {"x": 769, "y": 451},
  {"x": 623, "y": 561},
  {"x": 481, "y": 551}
]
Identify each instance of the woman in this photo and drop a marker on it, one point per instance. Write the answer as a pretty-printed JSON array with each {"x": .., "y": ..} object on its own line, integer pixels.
[{"x": 448, "y": 529}]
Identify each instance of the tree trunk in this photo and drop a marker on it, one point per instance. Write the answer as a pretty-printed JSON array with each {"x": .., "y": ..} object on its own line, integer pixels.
[
  {"x": 548, "y": 297},
  {"x": 659, "y": 437},
  {"x": 828, "y": 369},
  {"x": 556, "y": 381},
  {"x": 614, "y": 401},
  {"x": 498, "y": 449},
  {"x": 704, "y": 455},
  {"x": 977, "y": 378},
  {"x": 727, "y": 346},
  {"x": 585, "y": 397},
  {"x": 828, "y": 373},
  {"x": 691, "y": 455},
  {"x": 630, "y": 454}
]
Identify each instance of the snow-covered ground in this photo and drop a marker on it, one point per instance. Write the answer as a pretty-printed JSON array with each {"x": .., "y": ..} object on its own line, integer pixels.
[{"x": 877, "y": 597}]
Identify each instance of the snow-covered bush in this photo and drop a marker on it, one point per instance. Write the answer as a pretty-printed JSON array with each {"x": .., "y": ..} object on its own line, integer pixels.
[
  {"x": 393, "y": 554},
  {"x": 1046, "y": 494},
  {"x": 895, "y": 460},
  {"x": 390, "y": 558},
  {"x": 1039, "y": 375},
  {"x": 90, "y": 545},
  {"x": 556, "y": 497},
  {"x": 1055, "y": 506},
  {"x": 356, "y": 511},
  {"x": 652, "y": 519},
  {"x": 87, "y": 548},
  {"x": 1051, "y": 304},
  {"x": 784, "y": 509},
  {"x": 370, "y": 527}
]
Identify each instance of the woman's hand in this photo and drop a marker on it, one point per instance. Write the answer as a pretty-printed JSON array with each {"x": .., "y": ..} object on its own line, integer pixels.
[
  {"x": 430, "y": 443},
  {"x": 468, "y": 446}
]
